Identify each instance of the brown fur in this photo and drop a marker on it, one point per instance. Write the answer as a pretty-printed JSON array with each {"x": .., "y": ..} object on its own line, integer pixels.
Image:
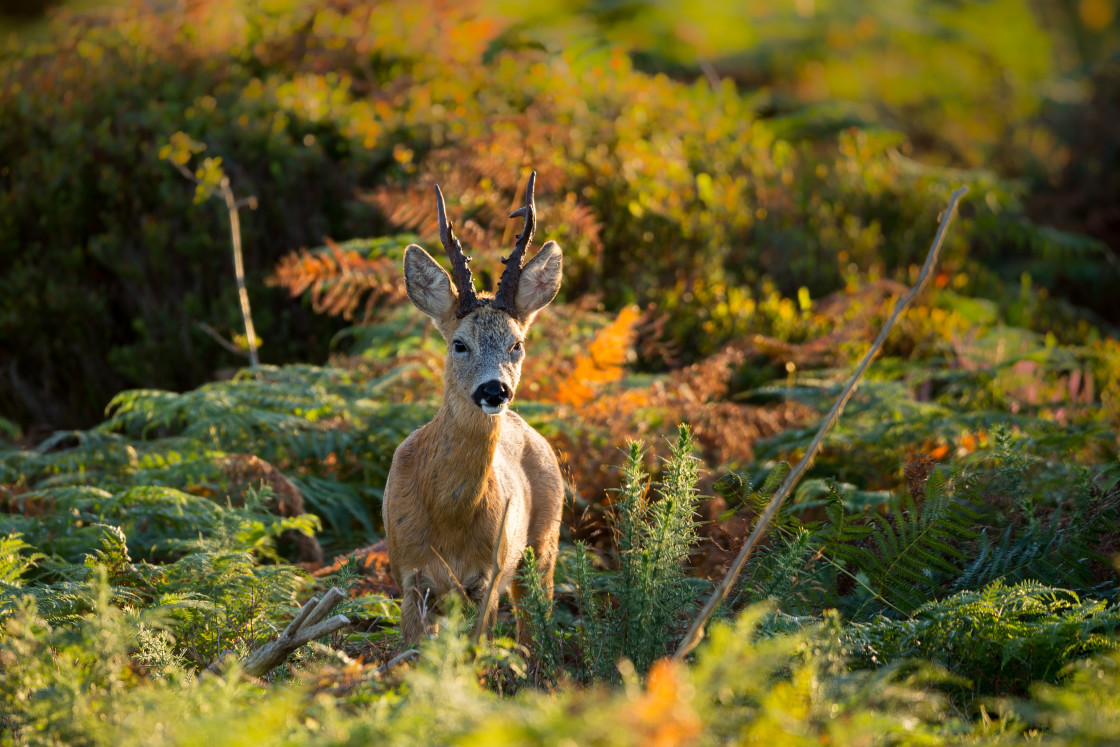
[{"x": 451, "y": 478}]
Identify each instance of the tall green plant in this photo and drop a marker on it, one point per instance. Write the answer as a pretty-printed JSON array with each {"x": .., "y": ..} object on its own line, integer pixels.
[{"x": 647, "y": 599}]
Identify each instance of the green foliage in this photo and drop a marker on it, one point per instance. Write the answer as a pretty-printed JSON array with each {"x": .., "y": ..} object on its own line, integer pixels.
[
  {"x": 821, "y": 65},
  {"x": 535, "y": 616},
  {"x": 326, "y": 429},
  {"x": 866, "y": 563},
  {"x": 909, "y": 550},
  {"x": 1000, "y": 638},
  {"x": 80, "y": 684},
  {"x": 649, "y": 596},
  {"x": 14, "y": 564},
  {"x": 216, "y": 594},
  {"x": 1037, "y": 552},
  {"x": 1083, "y": 710},
  {"x": 784, "y": 571},
  {"x": 739, "y": 489},
  {"x": 93, "y": 680},
  {"x": 109, "y": 642}
]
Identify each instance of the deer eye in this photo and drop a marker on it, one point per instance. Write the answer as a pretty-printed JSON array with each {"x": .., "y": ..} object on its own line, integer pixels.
[
  {"x": 459, "y": 347},
  {"x": 517, "y": 347}
]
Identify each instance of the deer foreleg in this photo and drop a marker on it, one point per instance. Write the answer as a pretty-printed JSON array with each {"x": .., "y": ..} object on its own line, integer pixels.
[{"x": 417, "y": 609}]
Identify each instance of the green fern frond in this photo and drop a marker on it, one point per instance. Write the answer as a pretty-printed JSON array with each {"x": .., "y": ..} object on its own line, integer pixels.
[
  {"x": 1000, "y": 637},
  {"x": 786, "y": 573},
  {"x": 903, "y": 557}
]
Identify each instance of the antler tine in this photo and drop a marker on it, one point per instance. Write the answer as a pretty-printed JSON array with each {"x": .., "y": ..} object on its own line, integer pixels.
[
  {"x": 506, "y": 296},
  {"x": 464, "y": 280}
]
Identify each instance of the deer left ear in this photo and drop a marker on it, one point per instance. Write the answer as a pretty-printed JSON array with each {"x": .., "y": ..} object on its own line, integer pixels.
[
  {"x": 540, "y": 281},
  {"x": 427, "y": 284}
]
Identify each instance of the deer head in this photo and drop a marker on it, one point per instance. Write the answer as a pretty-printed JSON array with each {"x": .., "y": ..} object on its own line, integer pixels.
[{"x": 485, "y": 333}]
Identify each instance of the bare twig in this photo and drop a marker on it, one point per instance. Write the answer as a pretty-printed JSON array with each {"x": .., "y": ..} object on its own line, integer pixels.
[
  {"x": 450, "y": 573},
  {"x": 306, "y": 626},
  {"x": 217, "y": 337},
  {"x": 239, "y": 267},
  {"x": 379, "y": 672},
  {"x": 490, "y": 601},
  {"x": 696, "y": 632},
  {"x": 710, "y": 74},
  {"x": 400, "y": 658},
  {"x": 232, "y": 206}
]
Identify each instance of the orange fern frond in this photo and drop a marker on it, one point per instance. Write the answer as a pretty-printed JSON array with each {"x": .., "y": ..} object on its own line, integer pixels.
[
  {"x": 483, "y": 180},
  {"x": 339, "y": 280}
]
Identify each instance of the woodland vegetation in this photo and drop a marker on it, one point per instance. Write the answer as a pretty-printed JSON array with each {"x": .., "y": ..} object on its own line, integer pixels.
[{"x": 742, "y": 191}]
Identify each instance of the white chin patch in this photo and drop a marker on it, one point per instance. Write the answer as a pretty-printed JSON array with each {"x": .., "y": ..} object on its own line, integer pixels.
[{"x": 491, "y": 409}]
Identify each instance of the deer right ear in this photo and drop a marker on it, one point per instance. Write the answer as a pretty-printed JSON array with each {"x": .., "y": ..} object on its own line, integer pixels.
[
  {"x": 428, "y": 284},
  {"x": 539, "y": 282}
]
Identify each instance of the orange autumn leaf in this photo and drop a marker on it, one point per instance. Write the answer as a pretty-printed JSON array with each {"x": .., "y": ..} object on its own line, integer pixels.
[
  {"x": 972, "y": 441},
  {"x": 603, "y": 362},
  {"x": 663, "y": 714},
  {"x": 940, "y": 452}
]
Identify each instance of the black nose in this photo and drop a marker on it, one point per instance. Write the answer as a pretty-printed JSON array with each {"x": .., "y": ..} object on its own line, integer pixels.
[{"x": 492, "y": 393}]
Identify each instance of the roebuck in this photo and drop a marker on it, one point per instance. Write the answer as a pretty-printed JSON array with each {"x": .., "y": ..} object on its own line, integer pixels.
[{"x": 455, "y": 479}]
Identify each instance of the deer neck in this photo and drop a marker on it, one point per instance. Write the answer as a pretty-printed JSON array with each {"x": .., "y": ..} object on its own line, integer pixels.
[{"x": 465, "y": 440}]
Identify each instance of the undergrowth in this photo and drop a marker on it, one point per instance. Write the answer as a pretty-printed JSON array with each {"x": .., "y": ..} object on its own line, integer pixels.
[{"x": 114, "y": 601}]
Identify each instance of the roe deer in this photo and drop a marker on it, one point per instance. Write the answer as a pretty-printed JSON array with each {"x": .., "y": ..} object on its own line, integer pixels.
[{"x": 454, "y": 479}]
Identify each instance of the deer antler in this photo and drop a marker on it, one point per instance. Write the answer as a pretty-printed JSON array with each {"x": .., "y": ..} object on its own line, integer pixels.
[
  {"x": 464, "y": 281},
  {"x": 506, "y": 296}
]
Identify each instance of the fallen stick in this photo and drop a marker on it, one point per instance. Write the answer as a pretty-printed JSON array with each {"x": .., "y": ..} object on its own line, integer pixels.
[
  {"x": 306, "y": 626},
  {"x": 696, "y": 632}
]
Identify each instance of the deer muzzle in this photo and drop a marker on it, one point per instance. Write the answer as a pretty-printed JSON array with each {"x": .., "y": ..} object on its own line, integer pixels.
[{"x": 492, "y": 396}]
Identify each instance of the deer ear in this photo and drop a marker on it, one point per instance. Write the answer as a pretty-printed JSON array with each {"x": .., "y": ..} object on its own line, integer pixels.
[
  {"x": 540, "y": 281},
  {"x": 428, "y": 284}
]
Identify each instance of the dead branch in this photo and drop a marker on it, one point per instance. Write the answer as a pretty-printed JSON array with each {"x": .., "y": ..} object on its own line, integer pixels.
[
  {"x": 232, "y": 206},
  {"x": 378, "y": 673},
  {"x": 217, "y": 337},
  {"x": 306, "y": 626},
  {"x": 696, "y": 632}
]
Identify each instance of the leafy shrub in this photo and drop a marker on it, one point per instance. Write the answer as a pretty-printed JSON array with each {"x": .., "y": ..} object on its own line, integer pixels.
[
  {"x": 115, "y": 265},
  {"x": 1001, "y": 638},
  {"x": 80, "y": 684},
  {"x": 634, "y": 612},
  {"x": 1083, "y": 709}
]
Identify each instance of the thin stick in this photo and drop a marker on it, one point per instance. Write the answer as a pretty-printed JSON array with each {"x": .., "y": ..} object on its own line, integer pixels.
[
  {"x": 239, "y": 268},
  {"x": 696, "y": 632},
  {"x": 490, "y": 600},
  {"x": 450, "y": 572},
  {"x": 401, "y": 657},
  {"x": 232, "y": 205},
  {"x": 380, "y": 671},
  {"x": 218, "y": 338}
]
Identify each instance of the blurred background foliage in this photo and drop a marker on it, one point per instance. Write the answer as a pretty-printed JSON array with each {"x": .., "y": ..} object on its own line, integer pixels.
[{"x": 697, "y": 162}]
